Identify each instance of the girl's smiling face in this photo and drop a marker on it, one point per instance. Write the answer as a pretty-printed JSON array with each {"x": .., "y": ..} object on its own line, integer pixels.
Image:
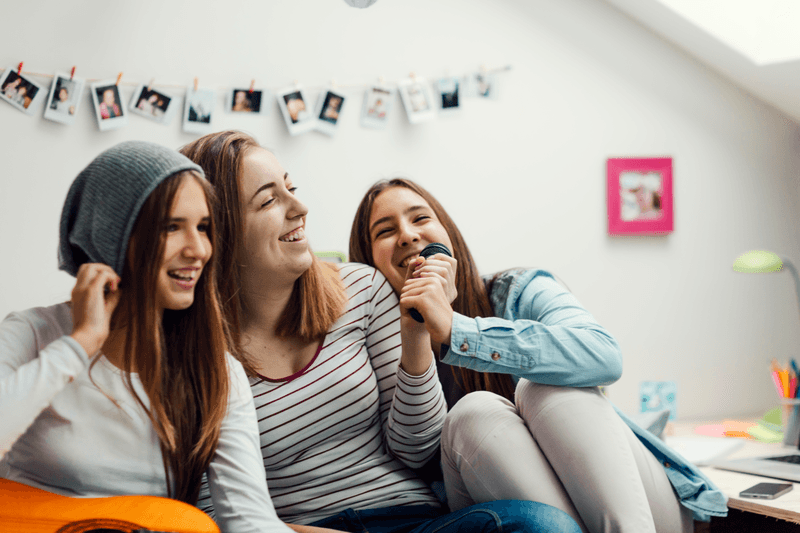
[
  {"x": 187, "y": 247},
  {"x": 401, "y": 224},
  {"x": 274, "y": 219}
]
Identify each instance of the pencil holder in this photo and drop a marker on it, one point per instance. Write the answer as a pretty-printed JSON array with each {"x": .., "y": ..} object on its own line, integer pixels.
[{"x": 790, "y": 417}]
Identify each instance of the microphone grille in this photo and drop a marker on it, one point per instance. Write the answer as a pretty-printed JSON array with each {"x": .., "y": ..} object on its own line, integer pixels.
[{"x": 435, "y": 248}]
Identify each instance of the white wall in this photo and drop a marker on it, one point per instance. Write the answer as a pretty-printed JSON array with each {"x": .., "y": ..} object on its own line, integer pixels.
[{"x": 523, "y": 175}]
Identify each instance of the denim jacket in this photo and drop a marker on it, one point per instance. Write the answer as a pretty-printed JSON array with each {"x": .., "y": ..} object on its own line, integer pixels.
[{"x": 541, "y": 333}]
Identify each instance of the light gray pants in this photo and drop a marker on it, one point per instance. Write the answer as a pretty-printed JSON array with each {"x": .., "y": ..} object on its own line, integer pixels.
[{"x": 562, "y": 446}]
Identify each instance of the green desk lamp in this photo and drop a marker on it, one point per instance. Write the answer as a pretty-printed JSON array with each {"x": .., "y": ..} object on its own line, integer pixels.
[{"x": 760, "y": 261}]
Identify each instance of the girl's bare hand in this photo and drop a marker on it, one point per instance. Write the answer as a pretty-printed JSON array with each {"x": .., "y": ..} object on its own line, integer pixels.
[
  {"x": 443, "y": 269},
  {"x": 427, "y": 295},
  {"x": 92, "y": 307}
]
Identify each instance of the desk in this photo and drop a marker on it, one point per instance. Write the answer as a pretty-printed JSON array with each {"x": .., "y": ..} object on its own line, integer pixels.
[{"x": 786, "y": 507}]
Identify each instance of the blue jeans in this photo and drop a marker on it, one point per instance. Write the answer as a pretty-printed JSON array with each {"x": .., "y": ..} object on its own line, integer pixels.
[{"x": 503, "y": 516}]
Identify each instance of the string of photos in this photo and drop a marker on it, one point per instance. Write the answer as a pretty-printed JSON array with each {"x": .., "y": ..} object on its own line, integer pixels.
[{"x": 421, "y": 99}]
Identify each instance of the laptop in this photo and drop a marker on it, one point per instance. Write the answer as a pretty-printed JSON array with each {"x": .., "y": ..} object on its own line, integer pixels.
[{"x": 784, "y": 464}]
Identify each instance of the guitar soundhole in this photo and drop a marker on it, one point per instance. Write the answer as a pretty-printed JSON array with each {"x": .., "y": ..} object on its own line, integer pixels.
[{"x": 101, "y": 525}]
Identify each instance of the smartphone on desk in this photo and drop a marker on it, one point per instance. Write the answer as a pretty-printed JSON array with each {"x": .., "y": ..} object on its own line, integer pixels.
[{"x": 766, "y": 491}]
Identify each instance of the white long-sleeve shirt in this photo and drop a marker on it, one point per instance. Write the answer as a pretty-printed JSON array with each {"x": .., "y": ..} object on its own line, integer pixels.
[
  {"x": 59, "y": 432},
  {"x": 343, "y": 432}
]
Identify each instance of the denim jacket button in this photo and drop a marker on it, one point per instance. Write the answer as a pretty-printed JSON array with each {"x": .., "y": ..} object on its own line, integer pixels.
[
  {"x": 464, "y": 346},
  {"x": 495, "y": 356},
  {"x": 666, "y": 464}
]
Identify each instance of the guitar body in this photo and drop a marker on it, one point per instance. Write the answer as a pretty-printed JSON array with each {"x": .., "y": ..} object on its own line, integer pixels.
[{"x": 31, "y": 510}]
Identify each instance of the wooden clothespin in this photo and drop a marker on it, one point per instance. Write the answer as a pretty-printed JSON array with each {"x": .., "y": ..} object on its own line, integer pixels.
[
  {"x": 252, "y": 85},
  {"x": 72, "y": 73},
  {"x": 150, "y": 85},
  {"x": 195, "y": 85},
  {"x": 19, "y": 68},
  {"x": 119, "y": 77}
]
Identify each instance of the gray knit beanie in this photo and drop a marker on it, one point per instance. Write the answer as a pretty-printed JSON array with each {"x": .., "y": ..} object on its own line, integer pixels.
[{"x": 104, "y": 200}]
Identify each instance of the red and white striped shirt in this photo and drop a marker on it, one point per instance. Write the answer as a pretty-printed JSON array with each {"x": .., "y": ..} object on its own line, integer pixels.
[{"x": 345, "y": 431}]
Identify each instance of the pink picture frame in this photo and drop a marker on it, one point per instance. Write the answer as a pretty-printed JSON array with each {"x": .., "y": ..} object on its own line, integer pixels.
[{"x": 639, "y": 194}]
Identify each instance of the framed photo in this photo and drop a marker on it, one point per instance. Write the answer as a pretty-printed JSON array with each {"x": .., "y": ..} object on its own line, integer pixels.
[
  {"x": 19, "y": 91},
  {"x": 198, "y": 110},
  {"x": 152, "y": 104},
  {"x": 246, "y": 101},
  {"x": 657, "y": 396},
  {"x": 64, "y": 99},
  {"x": 108, "y": 107},
  {"x": 639, "y": 196},
  {"x": 329, "y": 106},
  {"x": 295, "y": 110},
  {"x": 448, "y": 94},
  {"x": 417, "y": 99},
  {"x": 377, "y": 105}
]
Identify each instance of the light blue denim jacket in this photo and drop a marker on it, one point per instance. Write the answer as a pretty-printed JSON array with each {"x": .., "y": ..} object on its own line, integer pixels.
[{"x": 541, "y": 333}]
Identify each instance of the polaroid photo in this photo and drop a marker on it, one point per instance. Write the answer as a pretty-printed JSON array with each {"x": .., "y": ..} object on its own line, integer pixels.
[
  {"x": 481, "y": 84},
  {"x": 449, "y": 93},
  {"x": 64, "y": 99},
  {"x": 149, "y": 103},
  {"x": 21, "y": 92},
  {"x": 108, "y": 107},
  {"x": 377, "y": 104},
  {"x": 417, "y": 99},
  {"x": 198, "y": 109},
  {"x": 329, "y": 106},
  {"x": 247, "y": 101},
  {"x": 295, "y": 110}
]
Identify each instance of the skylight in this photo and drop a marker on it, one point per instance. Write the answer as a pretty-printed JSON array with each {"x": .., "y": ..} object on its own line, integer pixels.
[{"x": 764, "y": 31}]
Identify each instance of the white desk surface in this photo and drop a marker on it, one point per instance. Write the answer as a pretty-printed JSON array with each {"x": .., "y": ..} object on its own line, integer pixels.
[{"x": 786, "y": 507}]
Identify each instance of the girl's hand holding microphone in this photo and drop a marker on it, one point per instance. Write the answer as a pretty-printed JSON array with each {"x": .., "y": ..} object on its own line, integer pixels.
[
  {"x": 430, "y": 289},
  {"x": 92, "y": 307},
  {"x": 440, "y": 267}
]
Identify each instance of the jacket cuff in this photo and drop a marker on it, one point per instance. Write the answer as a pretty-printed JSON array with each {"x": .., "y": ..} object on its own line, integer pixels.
[{"x": 464, "y": 335}]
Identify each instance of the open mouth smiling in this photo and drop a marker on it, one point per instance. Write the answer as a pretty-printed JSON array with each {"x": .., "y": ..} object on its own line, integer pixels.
[{"x": 294, "y": 235}]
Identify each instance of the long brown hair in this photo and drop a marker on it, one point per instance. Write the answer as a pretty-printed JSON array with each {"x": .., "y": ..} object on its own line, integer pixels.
[
  {"x": 317, "y": 299},
  {"x": 472, "y": 300},
  {"x": 181, "y": 360}
]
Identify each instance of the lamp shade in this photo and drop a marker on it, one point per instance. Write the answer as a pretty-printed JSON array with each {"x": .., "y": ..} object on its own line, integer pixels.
[{"x": 758, "y": 261}]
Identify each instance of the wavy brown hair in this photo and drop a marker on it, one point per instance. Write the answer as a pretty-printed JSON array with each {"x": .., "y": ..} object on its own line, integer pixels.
[
  {"x": 473, "y": 298},
  {"x": 318, "y": 298},
  {"x": 180, "y": 360}
]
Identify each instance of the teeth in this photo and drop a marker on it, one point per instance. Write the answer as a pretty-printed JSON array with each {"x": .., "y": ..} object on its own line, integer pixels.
[
  {"x": 175, "y": 274},
  {"x": 295, "y": 235}
]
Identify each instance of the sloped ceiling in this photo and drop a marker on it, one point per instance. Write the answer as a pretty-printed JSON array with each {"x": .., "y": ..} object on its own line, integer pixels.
[{"x": 757, "y": 51}]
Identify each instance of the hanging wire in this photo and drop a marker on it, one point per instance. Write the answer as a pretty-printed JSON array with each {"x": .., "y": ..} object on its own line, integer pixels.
[{"x": 339, "y": 86}]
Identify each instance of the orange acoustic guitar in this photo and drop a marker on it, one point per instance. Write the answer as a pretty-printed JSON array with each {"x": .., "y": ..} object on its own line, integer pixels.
[{"x": 30, "y": 510}]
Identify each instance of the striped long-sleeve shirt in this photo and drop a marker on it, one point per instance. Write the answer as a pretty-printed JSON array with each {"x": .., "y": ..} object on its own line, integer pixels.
[{"x": 344, "y": 431}]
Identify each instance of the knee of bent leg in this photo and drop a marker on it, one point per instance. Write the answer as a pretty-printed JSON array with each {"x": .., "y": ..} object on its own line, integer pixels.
[
  {"x": 536, "y": 517},
  {"x": 473, "y": 413},
  {"x": 533, "y": 398},
  {"x": 535, "y": 393}
]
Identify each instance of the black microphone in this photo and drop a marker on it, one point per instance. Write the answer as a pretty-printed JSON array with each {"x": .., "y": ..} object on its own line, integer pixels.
[{"x": 432, "y": 249}]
